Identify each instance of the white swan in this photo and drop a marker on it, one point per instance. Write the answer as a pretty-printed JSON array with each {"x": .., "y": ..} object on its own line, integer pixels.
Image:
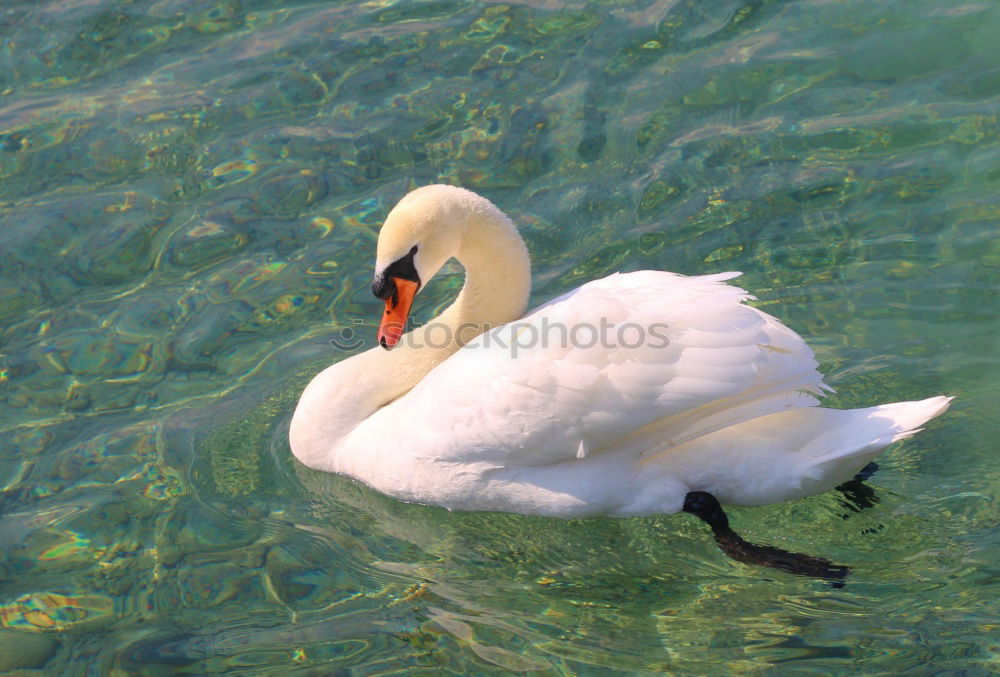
[{"x": 700, "y": 393}]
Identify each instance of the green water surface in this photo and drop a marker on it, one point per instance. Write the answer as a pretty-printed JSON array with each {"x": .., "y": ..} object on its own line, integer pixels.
[{"x": 190, "y": 193}]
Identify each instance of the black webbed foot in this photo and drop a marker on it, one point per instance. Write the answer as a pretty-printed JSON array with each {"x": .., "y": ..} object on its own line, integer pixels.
[
  {"x": 857, "y": 494},
  {"x": 706, "y": 507},
  {"x": 867, "y": 472}
]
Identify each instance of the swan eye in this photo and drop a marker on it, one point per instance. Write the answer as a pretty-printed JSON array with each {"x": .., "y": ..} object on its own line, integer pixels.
[{"x": 383, "y": 286}]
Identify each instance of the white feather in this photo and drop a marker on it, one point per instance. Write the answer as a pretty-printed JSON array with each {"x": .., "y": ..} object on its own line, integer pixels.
[{"x": 530, "y": 417}]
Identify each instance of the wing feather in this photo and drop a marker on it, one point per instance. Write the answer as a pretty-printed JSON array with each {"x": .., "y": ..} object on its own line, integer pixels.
[{"x": 534, "y": 392}]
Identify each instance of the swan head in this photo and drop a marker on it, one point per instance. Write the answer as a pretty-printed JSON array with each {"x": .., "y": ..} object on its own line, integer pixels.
[{"x": 420, "y": 234}]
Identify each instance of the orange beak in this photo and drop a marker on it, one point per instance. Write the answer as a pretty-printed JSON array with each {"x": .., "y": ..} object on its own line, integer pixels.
[{"x": 397, "y": 309}]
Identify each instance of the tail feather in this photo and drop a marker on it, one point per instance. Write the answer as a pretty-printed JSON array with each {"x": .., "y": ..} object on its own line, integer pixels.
[
  {"x": 796, "y": 453},
  {"x": 877, "y": 427},
  {"x": 908, "y": 416},
  {"x": 863, "y": 433}
]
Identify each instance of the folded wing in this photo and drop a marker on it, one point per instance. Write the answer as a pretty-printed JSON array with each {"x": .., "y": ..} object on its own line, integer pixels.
[{"x": 641, "y": 361}]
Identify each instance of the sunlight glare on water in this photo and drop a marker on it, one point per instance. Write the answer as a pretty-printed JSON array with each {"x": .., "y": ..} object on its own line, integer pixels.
[{"x": 190, "y": 194}]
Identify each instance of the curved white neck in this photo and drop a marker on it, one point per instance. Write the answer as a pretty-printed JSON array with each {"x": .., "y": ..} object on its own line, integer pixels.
[{"x": 336, "y": 403}]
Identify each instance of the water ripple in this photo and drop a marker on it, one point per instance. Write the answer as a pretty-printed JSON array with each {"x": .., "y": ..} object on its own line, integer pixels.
[{"x": 189, "y": 199}]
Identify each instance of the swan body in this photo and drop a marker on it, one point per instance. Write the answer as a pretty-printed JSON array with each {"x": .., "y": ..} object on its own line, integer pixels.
[{"x": 486, "y": 408}]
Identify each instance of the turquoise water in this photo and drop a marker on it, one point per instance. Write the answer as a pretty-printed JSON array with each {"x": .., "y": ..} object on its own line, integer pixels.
[{"x": 189, "y": 199}]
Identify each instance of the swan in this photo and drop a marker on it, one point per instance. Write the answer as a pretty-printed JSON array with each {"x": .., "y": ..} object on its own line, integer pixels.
[{"x": 640, "y": 393}]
